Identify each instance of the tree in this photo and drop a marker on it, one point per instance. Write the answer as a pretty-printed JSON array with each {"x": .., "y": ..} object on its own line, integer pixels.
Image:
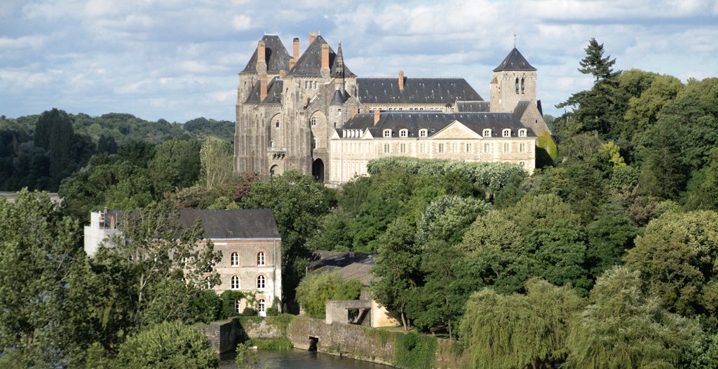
[
  {"x": 397, "y": 269},
  {"x": 37, "y": 248},
  {"x": 518, "y": 331},
  {"x": 164, "y": 265},
  {"x": 167, "y": 345},
  {"x": 676, "y": 257},
  {"x": 627, "y": 328},
  {"x": 317, "y": 288},
  {"x": 216, "y": 162},
  {"x": 595, "y": 64}
]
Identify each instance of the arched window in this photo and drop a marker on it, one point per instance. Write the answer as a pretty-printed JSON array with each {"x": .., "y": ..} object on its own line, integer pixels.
[
  {"x": 276, "y": 124},
  {"x": 260, "y": 258},
  {"x": 261, "y": 282},
  {"x": 506, "y": 133},
  {"x": 271, "y": 143},
  {"x": 261, "y": 306},
  {"x": 234, "y": 284},
  {"x": 522, "y": 85},
  {"x": 234, "y": 259},
  {"x": 404, "y": 133},
  {"x": 517, "y": 85},
  {"x": 522, "y": 133},
  {"x": 387, "y": 133},
  {"x": 236, "y": 306},
  {"x": 314, "y": 121},
  {"x": 422, "y": 133},
  {"x": 487, "y": 133}
]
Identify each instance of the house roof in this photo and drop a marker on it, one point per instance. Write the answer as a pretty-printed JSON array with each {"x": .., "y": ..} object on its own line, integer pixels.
[
  {"x": 473, "y": 106},
  {"x": 435, "y": 122},
  {"x": 276, "y": 56},
  {"x": 350, "y": 265},
  {"x": 514, "y": 61},
  {"x": 416, "y": 91},
  {"x": 310, "y": 63},
  {"x": 274, "y": 92},
  {"x": 218, "y": 224}
]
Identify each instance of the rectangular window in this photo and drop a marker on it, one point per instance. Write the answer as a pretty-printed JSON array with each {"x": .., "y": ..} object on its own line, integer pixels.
[
  {"x": 441, "y": 147},
  {"x": 506, "y": 147},
  {"x": 468, "y": 148},
  {"x": 403, "y": 148},
  {"x": 386, "y": 148},
  {"x": 522, "y": 147},
  {"x": 487, "y": 148}
]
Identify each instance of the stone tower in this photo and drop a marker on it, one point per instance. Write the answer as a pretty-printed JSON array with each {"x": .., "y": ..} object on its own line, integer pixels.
[{"x": 514, "y": 80}]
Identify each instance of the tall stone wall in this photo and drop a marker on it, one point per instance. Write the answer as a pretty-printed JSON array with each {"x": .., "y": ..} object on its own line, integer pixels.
[{"x": 222, "y": 336}]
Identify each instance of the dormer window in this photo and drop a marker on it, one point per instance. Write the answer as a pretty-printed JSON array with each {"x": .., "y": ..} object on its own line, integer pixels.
[
  {"x": 422, "y": 133},
  {"x": 506, "y": 133},
  {"x": 522, "y": 133},
  {"x": 487, "y": 133},
  {"x": 404, "y": 133},
  {"x": 387, "y": 133}
]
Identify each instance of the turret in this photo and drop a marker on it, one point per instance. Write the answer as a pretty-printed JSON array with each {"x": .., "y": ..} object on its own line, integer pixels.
[{"x": 514, "y": 80}]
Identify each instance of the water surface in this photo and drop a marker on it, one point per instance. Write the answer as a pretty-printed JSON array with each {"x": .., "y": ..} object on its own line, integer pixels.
[{"x": 299, "y": 359}]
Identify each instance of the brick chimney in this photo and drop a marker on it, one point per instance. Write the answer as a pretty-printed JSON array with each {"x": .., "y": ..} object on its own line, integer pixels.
[
  {"x": 354, "y": 111},
  {"x": 312, "y": 36},
  {"x": 292, "y": 61},
  {"x": 262, "y": 87},
  {"x": 401, "y": 79},
  {"x": 325, "y": 56},
  {"x": 296, "y": 48},
  {"x": 377, "y": 115},
  {"x": 261, "y": 53}
]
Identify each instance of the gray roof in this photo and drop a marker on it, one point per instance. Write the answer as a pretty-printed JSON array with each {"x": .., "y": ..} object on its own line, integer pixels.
[
  {"x": 218, "y": 224},
  {"x": 350, "y": 265},
  {"x": 338, "y": 98},
  {"x": 416, "y": 91},
  {"x": 434, "y": 122},
  {"x": 473, "y": 106},
  {"x": 276, "y": 56},
  {"x": 274, "y": 92},
  {"x": 310, "y": 63},
  {"x": 514, "y": 61}
]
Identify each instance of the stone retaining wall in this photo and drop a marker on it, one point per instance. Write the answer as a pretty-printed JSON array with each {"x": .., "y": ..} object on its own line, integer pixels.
[{"x": 222, "y": 336}]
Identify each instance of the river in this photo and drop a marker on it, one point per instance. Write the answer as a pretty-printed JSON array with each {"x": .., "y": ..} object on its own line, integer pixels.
[{"x": 299, "y": 359}]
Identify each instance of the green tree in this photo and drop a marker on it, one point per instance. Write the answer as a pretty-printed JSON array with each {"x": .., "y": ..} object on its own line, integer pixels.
[
  {"x": 518, "y": 331},
  {"x": 37, "y": 248},
  {"x": 397, "y": 269},
  {"x": 676, "y": 257},
  {"x": 216, "y": 162},
  {"x": 167, "y": 345},
  {"x": 627, "y": 328},
  {"x": 317, "y": 288},
  {"x": 246, "y": 358},
  {"x": 164, "y": 265}
]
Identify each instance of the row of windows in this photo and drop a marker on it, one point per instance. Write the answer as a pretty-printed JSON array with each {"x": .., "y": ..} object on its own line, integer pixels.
[
  {"x": 261, "y": 282},
  {"x": 261, "y": 306},
  {"x": 234, "y": 259},
  {"x": 310, "y": 84},
  {"x": 455, "y": 147},
  {"x": 424, "y": 133}
]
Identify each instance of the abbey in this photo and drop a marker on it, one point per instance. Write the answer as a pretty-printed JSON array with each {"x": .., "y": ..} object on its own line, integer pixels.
[{"x": 308, "y": 111}]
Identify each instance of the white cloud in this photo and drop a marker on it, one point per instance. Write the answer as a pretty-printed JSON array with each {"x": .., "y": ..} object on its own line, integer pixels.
[
  {"x": 229, "y": 95},
  {"x": 241, "y": 22}
]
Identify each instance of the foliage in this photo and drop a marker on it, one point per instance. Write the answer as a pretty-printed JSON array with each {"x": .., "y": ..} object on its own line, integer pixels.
[
  {"x": 167, "y": 345},
  {"x": 676, "y": 257},
  {"x": 627, "y": 328},
  {"x": 216, "y": 160},
  {"x": 37, "y": 248},
  {"x": 246, "y": 358},
  {"x": 412, "y": 350},
  {"x": 282, "y": 321},
  {"x": 228, "y": 299},
  {"x": 316, "y": 288},
  {"x": 448, "y": 216},
  {"x": 517, "y": 331}
]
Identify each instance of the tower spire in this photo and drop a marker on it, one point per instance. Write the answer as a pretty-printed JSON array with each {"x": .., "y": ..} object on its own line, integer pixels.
[{"x": 514, "y": 40}]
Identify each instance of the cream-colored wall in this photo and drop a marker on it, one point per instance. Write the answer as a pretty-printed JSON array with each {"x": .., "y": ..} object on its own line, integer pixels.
[
  {"x": 380, "y": 317},
  {"x": 351, "y": 155}
]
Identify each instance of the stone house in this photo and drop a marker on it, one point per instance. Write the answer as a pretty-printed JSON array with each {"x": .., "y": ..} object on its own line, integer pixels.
[
  {"x": 308, "y": 111},
  {"x": 248, "y": 239}
]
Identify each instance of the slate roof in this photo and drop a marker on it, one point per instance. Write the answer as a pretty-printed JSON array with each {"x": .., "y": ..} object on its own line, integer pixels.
[
  {"x": 274, "y": 92},
  {"x": 416, "y": 91},
  {"x": 435, "y": 122},
  {"x": 473, "y": 106},
  {"x": 338, "y": 98},
  {"x": 514, "y": 61},
  {"x": 217, "y": 224},
  {"x": 310, "y": 63},
  {"x": 276, "y": 56},
  {"x": 350, "y": 265}
]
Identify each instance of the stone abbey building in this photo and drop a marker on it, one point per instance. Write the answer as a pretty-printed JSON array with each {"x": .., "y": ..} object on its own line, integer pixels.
[{"x": 308, "y": 111}]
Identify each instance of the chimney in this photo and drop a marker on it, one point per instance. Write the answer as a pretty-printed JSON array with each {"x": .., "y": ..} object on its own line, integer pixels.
[
  {"x": 401, "y": 80},
  {"x": 296, "y": 48},
  {"x": 292, "y": 61},
  {"x": 325, "y": 56},
  {"x": 262, "y": 87},
  {"x": 312, "y": 36},
  {"x": 354, "y": 111},
  {"x": 376, "y": 116},
  {"x": 282, "y": 73},
  {"x": 260, "y": 52}
]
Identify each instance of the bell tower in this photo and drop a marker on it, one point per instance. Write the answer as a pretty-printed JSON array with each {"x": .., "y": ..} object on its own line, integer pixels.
[{"x": 514, "y": 80}]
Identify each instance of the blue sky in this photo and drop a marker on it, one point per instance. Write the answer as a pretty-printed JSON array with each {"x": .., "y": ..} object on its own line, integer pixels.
[{"x": 180, "y": 59}]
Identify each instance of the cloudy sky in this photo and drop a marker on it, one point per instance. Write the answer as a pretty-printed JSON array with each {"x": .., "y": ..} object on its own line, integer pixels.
[{"x": 179, "y": 59}]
